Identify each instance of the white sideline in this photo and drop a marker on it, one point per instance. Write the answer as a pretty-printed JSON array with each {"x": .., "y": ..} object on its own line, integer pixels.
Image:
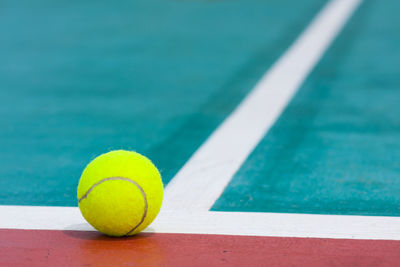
[
  {"x": 224, "y": 223},
  {"x": 205, "y": 175}
]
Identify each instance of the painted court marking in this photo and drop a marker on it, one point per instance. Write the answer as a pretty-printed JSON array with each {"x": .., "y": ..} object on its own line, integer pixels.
[
  {"x": 225, "y": 223},
  {"x": 204, "y": 177}
]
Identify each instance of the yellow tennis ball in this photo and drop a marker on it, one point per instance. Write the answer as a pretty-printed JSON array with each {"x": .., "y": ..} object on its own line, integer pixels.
[{"x": 120, "y": 193}]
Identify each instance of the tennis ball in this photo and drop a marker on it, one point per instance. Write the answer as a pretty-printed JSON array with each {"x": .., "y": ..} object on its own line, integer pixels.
[{"x": 120, "y": 193}]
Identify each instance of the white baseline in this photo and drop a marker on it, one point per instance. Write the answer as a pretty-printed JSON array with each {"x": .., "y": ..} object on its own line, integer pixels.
[
  {"x": 201, "y": 181},
  {"x": 223, "y": 223}
]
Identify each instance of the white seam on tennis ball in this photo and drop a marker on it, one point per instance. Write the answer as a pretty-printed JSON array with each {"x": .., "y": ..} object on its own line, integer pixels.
[{"x": 122, "y": 179}]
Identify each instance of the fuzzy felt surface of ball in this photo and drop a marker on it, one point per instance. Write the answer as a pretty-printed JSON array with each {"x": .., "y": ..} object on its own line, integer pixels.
[{"x": 120, "y": 193}]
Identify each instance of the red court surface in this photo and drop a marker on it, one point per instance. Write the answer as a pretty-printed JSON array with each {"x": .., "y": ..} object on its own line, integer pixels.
[{"x": 78, "y": 248}]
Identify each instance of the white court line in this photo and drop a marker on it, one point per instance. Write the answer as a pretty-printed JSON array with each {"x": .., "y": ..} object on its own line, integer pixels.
[
  {"x": 203, "y": 178},
  {"x": 224, "y": 223}
]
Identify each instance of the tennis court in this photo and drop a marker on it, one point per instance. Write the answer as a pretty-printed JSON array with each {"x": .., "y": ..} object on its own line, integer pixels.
[{"x": 275, "y": 126}]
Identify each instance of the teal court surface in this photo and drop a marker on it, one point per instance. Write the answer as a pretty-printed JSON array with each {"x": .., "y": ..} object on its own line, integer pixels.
[{"x": 275, "y": 126}]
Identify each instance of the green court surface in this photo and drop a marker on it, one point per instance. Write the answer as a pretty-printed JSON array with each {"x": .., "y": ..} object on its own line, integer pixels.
[
  {"x": 79, "y": 78},
  {"x": 336, "y": 148}
]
